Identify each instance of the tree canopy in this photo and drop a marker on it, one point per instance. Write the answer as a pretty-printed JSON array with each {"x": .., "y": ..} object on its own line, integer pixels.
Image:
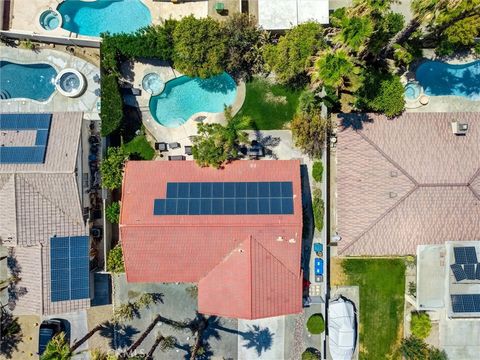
[
  {"x": 111, "y": 168},
  {"x": 199, "y": 47},
  {"x": 292, "y": 56}
]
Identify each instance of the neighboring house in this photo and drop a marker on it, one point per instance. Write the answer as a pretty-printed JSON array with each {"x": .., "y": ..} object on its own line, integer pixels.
[
  {"x": 448, "y": 289},
  {"x": 285, "y": 14},
  {"x": 41, "y": 212},
  {"x": 237, "y": 232},
  {"x": 404, "y": 182}
]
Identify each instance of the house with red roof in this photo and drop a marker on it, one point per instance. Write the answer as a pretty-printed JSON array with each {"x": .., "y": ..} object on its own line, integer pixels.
[{"x": 236, "y": 232}]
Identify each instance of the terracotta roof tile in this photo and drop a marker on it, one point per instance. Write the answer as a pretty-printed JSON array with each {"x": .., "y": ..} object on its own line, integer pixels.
[{"x": 187, "y": 248}]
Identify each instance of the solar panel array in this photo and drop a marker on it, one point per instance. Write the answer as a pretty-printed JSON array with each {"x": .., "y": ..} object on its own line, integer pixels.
[
  {"x": 25, "y": 122},
  {"x": 467, "y": 303},
  {"x": 465, "y": 255},
  {"x": 458, "y": 272},
  {"x": 226, "y": 198},
  {"x": 69, "y": 268}
]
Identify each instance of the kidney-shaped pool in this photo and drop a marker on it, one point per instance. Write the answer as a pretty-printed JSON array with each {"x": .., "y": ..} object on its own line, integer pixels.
[
  {"x": 440, "y": 78},
  {"x": 185, "y": 96}
]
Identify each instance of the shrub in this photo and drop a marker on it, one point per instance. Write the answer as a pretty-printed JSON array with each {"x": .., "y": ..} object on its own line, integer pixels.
[
  {"x": 414, "y": 348},
  {"x": 309, "y": 130},
  {"x": 311, "y": 354},
  {"x": 111, "y": 168},
  {"x": 111, "y": 112},
  {"x": 112, "y": 212},
  {"x": 318, "y": 209},
  {"x": 383, "y": 93},
  {"x": 412, "y": 289},
  {"x": 436, "y": 354},
  {"x": 317, "y": 171},
  {"x": 316, "y": 324},
  {"x": 420, "y": 325},
  {"x": 115, "y": 260},
  {"x": 199, "y": 47}
]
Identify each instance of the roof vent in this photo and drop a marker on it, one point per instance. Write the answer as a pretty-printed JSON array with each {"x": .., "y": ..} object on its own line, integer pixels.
[
  {"x": 280, "y": 238},
  {"x": 458, "y": 128},
  {"x": 393, "y": 173},
  {"x": 392, "y": 194},
  {"x": 292, "y": 241}
]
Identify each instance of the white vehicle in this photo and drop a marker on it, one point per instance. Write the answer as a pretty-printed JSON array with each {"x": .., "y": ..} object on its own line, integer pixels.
[{"x": 342, "y": 325}]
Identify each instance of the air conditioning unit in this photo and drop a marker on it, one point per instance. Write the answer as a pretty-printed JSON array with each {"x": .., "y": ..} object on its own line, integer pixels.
[{"x": 459, "y": 128}]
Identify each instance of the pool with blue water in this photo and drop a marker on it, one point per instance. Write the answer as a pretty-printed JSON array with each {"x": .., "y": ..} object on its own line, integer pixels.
[
  {"x": 93, "y": 18},
  {"x": 439, "y": 78},
  {"x": 29, "y": 81},
  {"x": 186, "y": 96}
]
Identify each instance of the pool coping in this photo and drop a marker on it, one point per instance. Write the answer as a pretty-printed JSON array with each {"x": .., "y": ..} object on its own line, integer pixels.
[{"x": 86, "y": 102}]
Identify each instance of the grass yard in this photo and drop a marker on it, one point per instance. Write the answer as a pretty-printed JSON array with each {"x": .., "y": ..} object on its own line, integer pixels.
[
  {"x": 382, "y": 287},
  {"x": 270, "y": 106},
  {"x": 140, "y": 148}
]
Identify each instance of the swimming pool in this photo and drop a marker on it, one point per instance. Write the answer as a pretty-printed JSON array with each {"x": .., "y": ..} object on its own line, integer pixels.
[
  {"x": 29, "y": 81},
  {"x": 185, "y": 96},
  {"x": 439, "y": 78},
  {"x": 95, "y": 17}
]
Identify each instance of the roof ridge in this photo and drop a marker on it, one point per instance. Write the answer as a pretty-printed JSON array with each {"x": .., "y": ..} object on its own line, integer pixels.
[
  {"x": 475, "y": 175},
  {"x": 388, "y": 158},
  {"x": 276, "y": 258},
  {"x": 477, "y": 195},
  {"x": 415, "y": 187},
  {"x": 41, "y": 194}
]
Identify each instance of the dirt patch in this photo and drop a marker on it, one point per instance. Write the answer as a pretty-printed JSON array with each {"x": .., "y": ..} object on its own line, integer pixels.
[
  {"x": 95, "y": 316},
  {"x": 337, "y": 275},
  {"x": 29, "y": 345}
]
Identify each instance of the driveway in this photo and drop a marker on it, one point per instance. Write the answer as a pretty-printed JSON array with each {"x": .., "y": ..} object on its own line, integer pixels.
[
  {"x": 78, "y": 328},
  {"x": 261, "y": 339}
]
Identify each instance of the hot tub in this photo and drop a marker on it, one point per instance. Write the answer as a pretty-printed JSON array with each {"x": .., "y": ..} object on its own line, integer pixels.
[
  {"x": 50, "y": 20},
  {"x": 70, "y": 83},
  {"x": 153, "y": 84}
]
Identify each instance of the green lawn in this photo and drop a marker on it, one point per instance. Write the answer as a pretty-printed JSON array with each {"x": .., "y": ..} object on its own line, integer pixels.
[
  {"x": 140, "y": 148},
  {"x": 382, "y": 284},
  {"x": 269, "y": 105}
]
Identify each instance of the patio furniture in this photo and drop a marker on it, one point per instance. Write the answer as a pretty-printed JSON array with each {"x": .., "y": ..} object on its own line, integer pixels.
[
  {"x": 188, "y": 150},
  {"x": 176, "y": 158},
  {"x": 256, "y": 151},
  {"x": 161, "y": 146},
  {"x": 318, "y": 278},
  {"x": 174, "y": 145},
  {"x": 96, "y": 78}
]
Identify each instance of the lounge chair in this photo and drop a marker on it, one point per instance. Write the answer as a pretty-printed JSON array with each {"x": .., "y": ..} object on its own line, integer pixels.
[
  {"x": 188, "y": 150},
  {"x": 161, "y": 146},
  {"x": 176, "y": 157},
  {"x": 174, "y": 145}
]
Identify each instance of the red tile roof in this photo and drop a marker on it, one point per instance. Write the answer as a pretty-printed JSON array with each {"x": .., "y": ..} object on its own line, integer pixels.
[
  {"x": 405, "y": 182},
  {"x": 202, "y": 248}
]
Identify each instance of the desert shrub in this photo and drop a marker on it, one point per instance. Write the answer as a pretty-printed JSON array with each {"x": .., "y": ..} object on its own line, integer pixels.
[
  {"x": 115, "y": 260},
  {"x": 420, "y": 324},
  {"x": 316, "y": 324},
  {"x": 317, "y": 171}
]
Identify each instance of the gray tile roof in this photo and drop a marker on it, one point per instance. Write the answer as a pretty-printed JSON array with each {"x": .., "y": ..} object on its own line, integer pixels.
[
  {"x": 39, "y": 201},
  {"x": 405, "y": 182}
]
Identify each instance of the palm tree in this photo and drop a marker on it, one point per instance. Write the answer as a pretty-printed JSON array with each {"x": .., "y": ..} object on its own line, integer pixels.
[
  {"x": 88, "y": 335},
  {"x": 336, "y": 69},
  {"x": 355, "y": 32},
  {"x": 234, "y": 129},
  {"x": 165, "y": 343},
  {"x": 57, "y": 349}
]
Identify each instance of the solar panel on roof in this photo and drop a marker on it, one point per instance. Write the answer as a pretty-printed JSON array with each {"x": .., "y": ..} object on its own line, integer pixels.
[
  {"x": 469, "y": 271},
  {"x": 458, "y": 272},
  {"x": 465, "y": 303},
  {"x": 69, "y": 268},
  {"x": 471, "y": 254},
  {"x": 226, "y": 198},
  {"x": 477, "y": 273},
  {"x": 460, "y": 256}
]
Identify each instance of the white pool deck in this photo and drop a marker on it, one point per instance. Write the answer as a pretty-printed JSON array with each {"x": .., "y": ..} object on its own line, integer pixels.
[
  {"x": 87, "y": 102},
  {"x": 134, "y": 73},
  {"x": 26, "y": 15}
]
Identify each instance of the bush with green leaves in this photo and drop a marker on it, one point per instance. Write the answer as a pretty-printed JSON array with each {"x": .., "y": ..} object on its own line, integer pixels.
[
  {"x": 317, "y": 171},
  {"x": 311, "y": 354},
  {"x": 414, "y": 348},
  {"x": 316, "y": 324},
  {"x": 111, "y": 112},
  {"x": 115, "y": 260},
  {"x": 112, "y": 212},
  {"x": 318, "y": 209},
  {"x": 111, "y": 168},
  {"x": 199, "y": 47},
  {"x": 383, "y": 93},
  {"x": 292, "y": 55},
  {"x": 420, "y": 324}
]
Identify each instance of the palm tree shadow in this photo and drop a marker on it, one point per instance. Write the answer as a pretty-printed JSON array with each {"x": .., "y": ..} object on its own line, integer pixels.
[
  {"x": 353, "y": 120},
  {"x": 120, "y": 335},
  {"x": 261, "y": 339}
]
